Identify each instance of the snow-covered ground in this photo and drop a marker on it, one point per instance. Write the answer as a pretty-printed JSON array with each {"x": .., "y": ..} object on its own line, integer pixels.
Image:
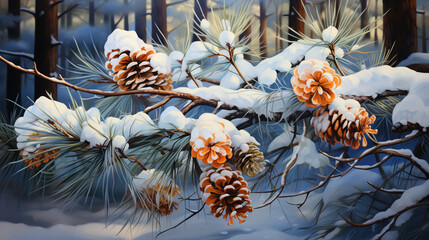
[{"x": 280, "y": 220}]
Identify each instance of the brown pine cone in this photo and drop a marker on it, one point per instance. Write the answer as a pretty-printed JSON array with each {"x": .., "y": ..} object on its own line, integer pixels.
[
  {"x": 344, "y": 123},
  {"x": 250, "y": 162},
  {"x": 41, "y": 155},
  {"x": 132, "y": 70},
  {"x": 159, "y": 199},
  {"x": 226, "y": 192}
]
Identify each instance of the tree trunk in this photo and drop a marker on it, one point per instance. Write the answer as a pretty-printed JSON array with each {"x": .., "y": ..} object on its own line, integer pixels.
[
  {"x": 91, "y": 13},
  {"x": 399, "y": 28},
  {"x": 263, "y": 28},
  {"x": 112, "y": 23},
  {"x": 247, "y": 34},
  {"x": 364, "y": 19},
  {"x": 13, "y": 79},
  {"x": 106, "y": 19},
  {"x": 424, "y": 43},
  {"x": 126, "y": 23},
  {"x": 159, "y": 21},
  {"x": 281, "y": 29},
  {"x": 140, "y": 18},
  {"x": 200, "y": 8},
  {"x": 69, "y": 17},
  {"x": 375, "y": 24},
  {"x": 45, "y": 49},
  {"x": 296, "y": 9}
]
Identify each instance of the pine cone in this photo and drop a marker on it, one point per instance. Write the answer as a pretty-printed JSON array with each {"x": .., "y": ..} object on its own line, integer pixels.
[
  {"x": 226, "y": 192},
  {"x": 36, "y": 158},
  {"x": 249, "y": 162},
  {"x": 344, "y": 123},
  {"x": 132, "y": 70},
  {"x": 209, "y": 146},
  {"x": 313, "y": 83},
  {"x": 159, "y": 199}
]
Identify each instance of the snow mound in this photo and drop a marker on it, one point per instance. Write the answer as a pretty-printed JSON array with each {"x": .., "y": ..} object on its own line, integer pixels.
[
  {"x": 123, "y": 40},
  {"x": 307, "y": 153},
  {"x": 415, "y": 58},
  {"x": 414, "y": 108},
  {"x": 373, "y": 81}
]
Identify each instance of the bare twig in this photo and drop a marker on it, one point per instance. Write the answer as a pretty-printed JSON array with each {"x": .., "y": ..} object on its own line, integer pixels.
[
  {"x": 385, "y": 218},
  {"x": 192, "y": 77},
  {"x": 184, "y": 220},
  {"x": 280, "y": 189},
  {"x": 67, "y": 10},
  {"x": 396, "y": 191},
  {"x": 209, "y": 80},
  {"x": 332, "y": 48},
  {"x": 131, "y": 158},
  {"x": 159, "y": 104},
  {"x": 377, "y": 146}
]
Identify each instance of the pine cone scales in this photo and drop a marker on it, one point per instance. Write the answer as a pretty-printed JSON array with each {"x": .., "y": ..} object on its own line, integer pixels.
[
  {"x": 346, "y": 124},
  {"x": 159, "y": 199},
  {"x": 132, "y": 70},
  {"x": 249, "y": 162},
  {"x": 39, "y": 156},
  {"x": 226, "y": 192},
  {"x": 314, "y": 83}
]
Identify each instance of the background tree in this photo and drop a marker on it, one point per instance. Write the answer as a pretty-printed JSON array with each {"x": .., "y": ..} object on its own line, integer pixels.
[
  {"x": 263, "y": 28},
  {"x": 247, "y": 34},
  {"x": 140, "y": 18},
  {"x": 364, "y": 18},
  {"x": 296, "y": 9},
  {"x": 46, "y": 46},
  {"x": 126, "y": 21},
  {"x": 91, "y": 11},
  {"x": 399, "y": 28},
  {"x": 13, "y": 80},
  {"x": 200, "y": 9},
  {"x": 159, "y": 21},
  {"x": 375, "y": 24}
]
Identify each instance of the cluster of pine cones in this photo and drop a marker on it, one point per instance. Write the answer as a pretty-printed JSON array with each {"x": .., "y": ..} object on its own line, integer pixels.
[{"x": 337, "y": 120}]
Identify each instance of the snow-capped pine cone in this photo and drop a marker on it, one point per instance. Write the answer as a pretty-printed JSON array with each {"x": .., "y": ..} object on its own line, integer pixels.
[
  {"x": 132, "y": 70},
  {"x": 226, "y": 192},
  {"x": 159, "y": 199},
  {"x": 314, "y": 82},
  {"x": 41, "y": 155},
  {"x": 250, "y": 162},
  {"x": 333, "y": 127}
]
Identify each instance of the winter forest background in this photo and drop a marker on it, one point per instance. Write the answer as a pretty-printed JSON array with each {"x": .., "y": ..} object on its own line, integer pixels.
[{"x": 60, "y": 35}]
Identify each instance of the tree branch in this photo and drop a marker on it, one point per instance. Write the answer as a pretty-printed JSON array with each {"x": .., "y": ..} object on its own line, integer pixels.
[
  {"x": 159, "y": 104},
  {"x": 26, "y": 10},
  {"x": 18, "y": 54},
  {"x": 174, "y": 3},
  {"x": 67, "y": 10}
]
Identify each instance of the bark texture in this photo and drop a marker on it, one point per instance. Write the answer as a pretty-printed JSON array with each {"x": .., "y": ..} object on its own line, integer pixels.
[
  {"x": 159, "y": 21},
  {"x": 45, "y": 47},
  {"x": 399, "y": 28},
  {"x": 296, "y": 8}
]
